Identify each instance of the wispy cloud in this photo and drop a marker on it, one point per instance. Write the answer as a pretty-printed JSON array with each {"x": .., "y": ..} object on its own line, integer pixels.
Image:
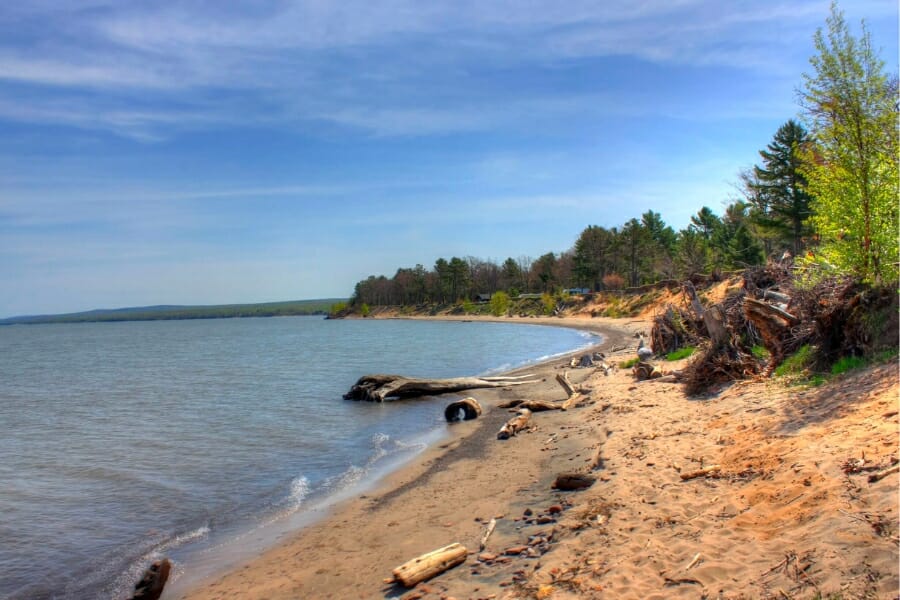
[{"x": 395, "y": 68}]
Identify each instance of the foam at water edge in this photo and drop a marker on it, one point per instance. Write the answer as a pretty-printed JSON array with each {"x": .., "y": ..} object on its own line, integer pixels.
[
  {"x": 123, "y": 585},
  {"x": 299, "y": 491}
]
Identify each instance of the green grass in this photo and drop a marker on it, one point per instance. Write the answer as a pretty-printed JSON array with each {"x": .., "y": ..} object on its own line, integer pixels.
[
  {"x": 797, "y": 364},
  {"x": 848, "y": 363},
  {"x": 681, "y": 353},
  {"x": 760, "y": 352},
  {"x": 627, "y": 364}
]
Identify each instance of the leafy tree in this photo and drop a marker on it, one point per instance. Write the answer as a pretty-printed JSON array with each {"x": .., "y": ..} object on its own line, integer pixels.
[
  {"x": 850, "y": 104},
  {"x": 777, "y": 189},
  {"x": 499, "y": 303}
]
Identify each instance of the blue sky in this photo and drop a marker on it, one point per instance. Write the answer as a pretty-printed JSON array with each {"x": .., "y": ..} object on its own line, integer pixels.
[{"x": 199, "y": 152}]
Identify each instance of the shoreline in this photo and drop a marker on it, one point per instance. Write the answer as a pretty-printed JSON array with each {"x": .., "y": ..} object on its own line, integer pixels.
[
  {"x": 779, "y": 516},
  {"x": 418, "y": 470}
]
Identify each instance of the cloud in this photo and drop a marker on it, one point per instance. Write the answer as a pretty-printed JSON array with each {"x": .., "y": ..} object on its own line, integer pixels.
[{"x": 397, "y": 68}]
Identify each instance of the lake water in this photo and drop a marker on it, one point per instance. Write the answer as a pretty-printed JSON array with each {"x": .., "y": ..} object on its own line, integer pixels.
[{"x": 123, "y": 442}]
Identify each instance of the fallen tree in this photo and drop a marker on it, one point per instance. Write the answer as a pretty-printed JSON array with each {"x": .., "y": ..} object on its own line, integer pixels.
[{"x": 381, "y": 388}]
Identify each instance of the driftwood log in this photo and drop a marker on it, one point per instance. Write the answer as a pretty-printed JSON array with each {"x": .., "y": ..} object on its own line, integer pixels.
[
  {"x": 532, "y": 405},
  {"x": 573, "y": 481},
  {"x": 151, "y": 585},
  {"x": 575, "y": 395},
  {"x": 428, "y": 565},
  {"x": 515, "y": 425},
  {"x": 462, "y": 410},
  {"x": 379, "y": 388}
]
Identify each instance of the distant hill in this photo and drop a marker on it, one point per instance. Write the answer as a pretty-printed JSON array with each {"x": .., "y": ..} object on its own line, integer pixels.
[{"x": 175, "y": 312}]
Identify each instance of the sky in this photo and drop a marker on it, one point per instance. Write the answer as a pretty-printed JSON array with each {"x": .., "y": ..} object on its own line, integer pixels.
[{"x": 203, "y": 152}]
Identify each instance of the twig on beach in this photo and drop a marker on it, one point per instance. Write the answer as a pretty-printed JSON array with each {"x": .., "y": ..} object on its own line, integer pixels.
[
  {"x": 693, "y": 562},
  {"x": 704, "y": 472},
  {"x": 487, "y": 534}
]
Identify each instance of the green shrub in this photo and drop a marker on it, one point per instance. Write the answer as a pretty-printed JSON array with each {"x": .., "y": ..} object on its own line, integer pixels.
[
  {"x": 468, "y": 306},
  {"x": 337, "y": 308},
  {"x": 681, "y": 353},
  {"x": 549, "y": 303},
  {"x": 847, "y": 363},
  {"x": 627, "y": 364},
  {"x": 499, "y": 304},
  {"x": 364, "y": 310}
]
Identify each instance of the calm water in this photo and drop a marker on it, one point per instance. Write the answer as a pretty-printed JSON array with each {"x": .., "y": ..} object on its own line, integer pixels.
[{"x": 121, "y": 442}]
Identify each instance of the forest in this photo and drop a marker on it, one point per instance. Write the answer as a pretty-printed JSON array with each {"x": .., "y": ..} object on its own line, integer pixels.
[{"x": 823, "y": 197}]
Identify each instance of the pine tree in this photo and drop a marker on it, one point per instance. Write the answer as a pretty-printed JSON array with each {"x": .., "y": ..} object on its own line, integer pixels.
[{"x": 776, "y": 190}]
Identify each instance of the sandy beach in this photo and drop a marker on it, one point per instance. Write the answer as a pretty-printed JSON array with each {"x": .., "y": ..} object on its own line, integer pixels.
[{"x": 785, "y": 508}]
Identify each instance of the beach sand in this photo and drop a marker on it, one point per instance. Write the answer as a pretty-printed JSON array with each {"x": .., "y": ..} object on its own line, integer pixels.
[{"x": 780, "y": 518}]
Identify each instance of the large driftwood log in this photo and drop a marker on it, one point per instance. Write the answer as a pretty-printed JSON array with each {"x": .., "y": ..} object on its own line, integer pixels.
[
  {"x": 428, "y": 565},
  {"x": 379, "y": 388},
  {"x": 515, "y": 425},
  {"x": 462, "y": 410}
]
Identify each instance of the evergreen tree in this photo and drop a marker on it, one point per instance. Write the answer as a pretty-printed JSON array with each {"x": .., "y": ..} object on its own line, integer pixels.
[
  {"x": 777, "y": 191},
  {"x": 851, "y": 106}
]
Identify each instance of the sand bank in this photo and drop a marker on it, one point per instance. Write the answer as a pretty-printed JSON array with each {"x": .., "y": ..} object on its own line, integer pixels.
[{"x": 779, "y": 518}]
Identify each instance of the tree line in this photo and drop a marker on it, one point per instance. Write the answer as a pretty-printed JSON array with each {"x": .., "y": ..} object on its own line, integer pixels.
[{"x": 824, "y": 194}]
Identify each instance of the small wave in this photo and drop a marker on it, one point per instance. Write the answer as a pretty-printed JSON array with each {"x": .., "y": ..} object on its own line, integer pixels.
[{"x": 299, "y": 491}]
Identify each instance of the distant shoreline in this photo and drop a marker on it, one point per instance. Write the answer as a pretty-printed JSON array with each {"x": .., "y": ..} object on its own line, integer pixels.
[{"x": 290, "y": 308}]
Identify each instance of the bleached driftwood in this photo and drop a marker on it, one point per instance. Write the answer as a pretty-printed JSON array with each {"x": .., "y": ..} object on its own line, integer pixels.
[
  {"x": 428, "y": 565},
  {"x": 487, "y": 533},
  {"x": 575, "y": 395},
  {"x": 515, "y": 425},
  {"x": 379, "y": 388}
]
